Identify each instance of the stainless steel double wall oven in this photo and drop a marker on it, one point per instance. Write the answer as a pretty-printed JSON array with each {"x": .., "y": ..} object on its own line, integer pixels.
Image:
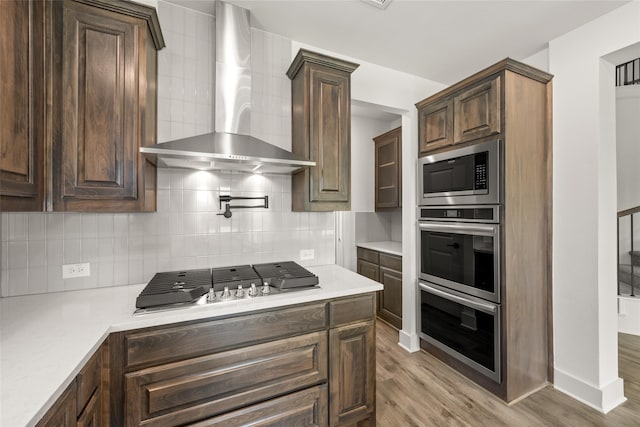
[{"x": 459, "y": 254}]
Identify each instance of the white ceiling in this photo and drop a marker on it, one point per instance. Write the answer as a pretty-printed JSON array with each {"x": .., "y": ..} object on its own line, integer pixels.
[{"x": 443, "y": 41}]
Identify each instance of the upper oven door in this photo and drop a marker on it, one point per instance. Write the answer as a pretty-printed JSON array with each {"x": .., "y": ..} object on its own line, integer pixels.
[
  {"x": 467, "y": 175},
  {"x": 461, "y": 256}
]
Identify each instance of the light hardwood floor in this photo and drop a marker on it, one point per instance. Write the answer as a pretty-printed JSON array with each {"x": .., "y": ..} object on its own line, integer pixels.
[{"x": 416, "y": 389}]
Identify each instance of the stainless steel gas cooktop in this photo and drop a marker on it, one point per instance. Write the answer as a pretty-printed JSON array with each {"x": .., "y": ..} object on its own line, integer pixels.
[{"x": 176, "y": 289}]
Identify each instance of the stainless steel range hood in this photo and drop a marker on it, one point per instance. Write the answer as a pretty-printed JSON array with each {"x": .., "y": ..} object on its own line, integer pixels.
[{"x": 230, "y": 147}]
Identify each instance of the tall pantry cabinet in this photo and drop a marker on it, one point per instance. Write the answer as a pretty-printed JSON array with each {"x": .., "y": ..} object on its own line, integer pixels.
[
  {"x": 511, "y": 102},
  {"x": 84, "y": 86}
]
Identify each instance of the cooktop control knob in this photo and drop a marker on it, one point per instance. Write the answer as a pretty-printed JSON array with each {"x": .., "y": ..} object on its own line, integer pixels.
[
  {"x": 240, "y": 292},
  {"x": 226, "y": 294},
  {"x": 265, "y": 289},
  {"x": 253, "y": 291},
  {"x": 211, "y": 296}
]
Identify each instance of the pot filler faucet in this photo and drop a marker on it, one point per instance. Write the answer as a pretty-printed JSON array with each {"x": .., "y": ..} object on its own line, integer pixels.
[{"x": 228, "y": 206}]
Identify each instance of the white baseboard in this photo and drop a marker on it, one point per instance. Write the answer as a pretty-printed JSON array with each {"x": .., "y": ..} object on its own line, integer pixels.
[
  {"x": 410, "y": 342},
  {"x": 602, "y": 399}
]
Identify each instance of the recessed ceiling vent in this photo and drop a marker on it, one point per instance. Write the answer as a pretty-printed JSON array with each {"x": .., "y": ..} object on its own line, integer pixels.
[{"x": 380, "y": 4}]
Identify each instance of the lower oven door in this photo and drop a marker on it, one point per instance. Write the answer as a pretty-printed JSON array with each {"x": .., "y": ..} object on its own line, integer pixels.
[{"x": 462, "y": 326}]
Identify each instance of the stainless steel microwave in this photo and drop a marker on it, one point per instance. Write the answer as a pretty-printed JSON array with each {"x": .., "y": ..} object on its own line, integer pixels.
[{"x": 463, "y": 176}]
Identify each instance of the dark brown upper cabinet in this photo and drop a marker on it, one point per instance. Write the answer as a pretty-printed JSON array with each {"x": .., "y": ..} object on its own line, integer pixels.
[
  {"x": 22, "y": 102},
  {"x": 78, "y": 97},
  {"x": 477, "y": 111},
  {"x": 321, "y": 131},
  {"x": 104, "y": 71},
  {"x": 435, "y": 125},
  {"x": 456, "y": 117},
  {"x": 388, "y": 170}
]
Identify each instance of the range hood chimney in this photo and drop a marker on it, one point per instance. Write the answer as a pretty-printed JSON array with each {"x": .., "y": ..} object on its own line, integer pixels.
[{"x": 230, "y": 147}]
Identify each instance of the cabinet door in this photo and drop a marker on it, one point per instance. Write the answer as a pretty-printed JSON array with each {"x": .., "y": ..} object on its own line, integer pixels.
[
  {"x": 388, "y": 167},
  {"x": 352, "y": 373},
  {"x": 22, "y": 125},
  {"x": 304, "y": 408},
  {"x": 330, "y": 135},
  {"x": 391, "y": 297},
  {"x": 63, "y": 412},
  {"x": 368, "y": 269},
  {"x": 477, "y": 111},
  {"x": 435, "y": 126},
  {"x": 91, "y": 416},
  {"x": 98, "y": 81}
]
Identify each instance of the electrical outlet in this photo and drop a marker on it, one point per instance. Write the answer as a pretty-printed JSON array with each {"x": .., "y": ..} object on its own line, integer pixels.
[
  {"x": 307, "y": 254},
  {"x": 70, "y": 271}
]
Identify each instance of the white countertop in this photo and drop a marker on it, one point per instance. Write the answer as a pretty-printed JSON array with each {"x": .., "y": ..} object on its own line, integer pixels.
[
  {"x": 389, "y": 247},
  {"x": 45, "y": 339}
]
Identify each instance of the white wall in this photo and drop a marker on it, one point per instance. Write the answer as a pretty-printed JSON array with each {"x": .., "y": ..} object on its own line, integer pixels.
[
  {"x": 396, "y": 92},
  {"x": 584, "y": 207}
]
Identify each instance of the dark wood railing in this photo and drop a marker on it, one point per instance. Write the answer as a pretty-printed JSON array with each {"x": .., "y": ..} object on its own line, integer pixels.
[{"x": 628, "y": 73}]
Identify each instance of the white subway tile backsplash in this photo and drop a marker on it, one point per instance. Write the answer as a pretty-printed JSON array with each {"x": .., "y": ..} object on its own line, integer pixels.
[
  {"x": 4, "y": 228},
  {"x": 18, "y": 254},
  {"x": 90, "y": 250},
  {"x": 72, "y": 249},
  {"x": 55, "y": 254},
  {"x": 37, "y": 253},
  {"x": 89, "y": 225},
  {"x": 121, "y": 273},
  {"x": 105, "y": 274},
  {"x": 54, "y": 278},
  {"x": 37, "y": 280},
  {"x": 72, "y": 225},
  {"x": 18, "y": 281},
  {"x": 18, "y": 225},
  {"x": 36, "y": 227},
  {"x": 4, "y": 282}
]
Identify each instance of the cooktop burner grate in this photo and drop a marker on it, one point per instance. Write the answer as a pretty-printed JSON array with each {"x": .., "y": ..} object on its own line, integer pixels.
[
  {"x": 233, "y": 276},
  {"x": 286, "y": 275},
  {"x": 175, "y": 287}
]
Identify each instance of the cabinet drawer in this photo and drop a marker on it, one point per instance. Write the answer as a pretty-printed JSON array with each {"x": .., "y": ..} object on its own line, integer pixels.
[
  {"x": 368, "y": 269},
  {"x": 182, "y": 341},
  {"x": 304, "y": 408},
  {"x": 392, "y": 262},
  {"x": 89, "y": 379},
  {"x": 350, "y": 310},
  {"x": 206, "y": 386},
  {"x": 368, "y": 255}
]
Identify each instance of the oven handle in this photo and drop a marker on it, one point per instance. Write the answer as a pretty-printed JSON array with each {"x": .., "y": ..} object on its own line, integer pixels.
[
  {"x": 486, "y": 308},
  {"x": 477, "y": 229}
]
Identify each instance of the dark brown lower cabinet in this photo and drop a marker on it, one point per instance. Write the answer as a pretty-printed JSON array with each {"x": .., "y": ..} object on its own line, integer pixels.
[
  {"x": 310, "y": 364},
  {"x": 390, "y": 302},
  {"x": 81, "y": 404},
  {"x": 63, "y": 412},
  {"x": 352, "y": 373},
  {"x": 386, "y": 269}
]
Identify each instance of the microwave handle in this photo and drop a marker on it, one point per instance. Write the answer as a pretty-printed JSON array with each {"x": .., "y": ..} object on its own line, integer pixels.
[
  {"x": 486, "y": 308},
  {"x": 485, "y": 230}
]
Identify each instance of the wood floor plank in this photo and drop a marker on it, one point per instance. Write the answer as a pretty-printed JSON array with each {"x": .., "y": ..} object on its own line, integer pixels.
[{"x": 416, "y": 389}]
